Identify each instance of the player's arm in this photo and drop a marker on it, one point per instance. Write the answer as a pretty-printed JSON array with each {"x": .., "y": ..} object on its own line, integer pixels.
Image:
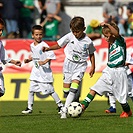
[
  {"x": 114, "y": 31},
  {"x": 92, "y": 60},
  {"x": 28, "y": 60},
  {"x": 15, "y": 62},
  {"x": 43, "y": 62},
  {"x": 54, "y": 47}
]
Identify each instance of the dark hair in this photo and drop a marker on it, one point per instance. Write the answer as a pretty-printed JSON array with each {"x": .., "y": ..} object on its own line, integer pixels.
[
  {"x": 77, "y": 23},
  {"x": 2, "y": 22},
  {"x": 36, "y": 27}
]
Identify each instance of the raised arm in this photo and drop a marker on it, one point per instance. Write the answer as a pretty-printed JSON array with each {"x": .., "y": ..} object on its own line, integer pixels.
[{"x": 114, "y": 31}]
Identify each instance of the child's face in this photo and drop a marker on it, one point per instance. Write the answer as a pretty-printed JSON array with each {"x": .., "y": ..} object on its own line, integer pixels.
[
  {"x": 78, "y": 33},
  {"x": 37, "y": 35},
  {"x": 109, "y": 37},
  {"x": 1, "y": 29}
]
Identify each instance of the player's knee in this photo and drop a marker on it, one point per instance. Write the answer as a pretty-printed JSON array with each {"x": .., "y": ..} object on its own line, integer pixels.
[{"x": 74, "y": 87}]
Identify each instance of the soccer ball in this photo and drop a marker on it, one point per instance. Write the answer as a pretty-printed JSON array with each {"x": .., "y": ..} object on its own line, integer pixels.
[{"x": 74, "y": 109}]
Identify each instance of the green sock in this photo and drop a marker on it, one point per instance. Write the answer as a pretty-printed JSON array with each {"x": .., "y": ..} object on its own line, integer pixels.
[
  {"x": 126, "y": 107},
  {"x": 87, "y": 100}
]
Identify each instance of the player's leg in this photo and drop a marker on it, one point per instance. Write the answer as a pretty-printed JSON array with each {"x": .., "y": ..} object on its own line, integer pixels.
[
  {"x": 33, "y": 87},
  {"x": 58, "y": 101},
  {"x": 55, "y": 97},
  {"x": 126, "y": 110},
  {"x": 121, "y": 92},
  {"x": 112, "y": 101},
  {"x": 30, "y": 104},
  {"x": 48, "y": 89},
  {"x": 90, "y": 96},
  {"x": 73, "y": 90},
  {"x": 2, "y": 89},
  {"x": 102, "y": 86}
]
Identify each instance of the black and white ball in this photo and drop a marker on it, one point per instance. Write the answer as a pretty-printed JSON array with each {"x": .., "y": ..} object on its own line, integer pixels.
[{"x": 74, "y": 109}]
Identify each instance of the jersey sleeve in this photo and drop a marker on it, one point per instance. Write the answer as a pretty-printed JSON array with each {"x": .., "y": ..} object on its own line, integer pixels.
[
  {"x": 91, "y": 49},
  {"x": 49, "y": 54},
  {"x": 121, "y": 41},
  {"x": 64, "y": 40}
]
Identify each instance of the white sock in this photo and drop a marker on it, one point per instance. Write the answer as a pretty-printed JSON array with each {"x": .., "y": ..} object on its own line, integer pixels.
[
  {"x": 30, "y": 100},
  {"x": 57, "y": 99},
  {"x": 69, "y": 99},
  {"x": 112, "y": 100}
]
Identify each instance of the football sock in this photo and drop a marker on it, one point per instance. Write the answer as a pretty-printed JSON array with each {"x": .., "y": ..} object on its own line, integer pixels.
[
  {"x": 72, "y": 93},
  {"x": 126, "y": 107},
  {"x": 69, "y": 98},
  {"x": 112, "y": 100},
  {"x": 30, "y": 100},
  {"x": 87, "y": 100},
  {"x": 57, "y": 99}
]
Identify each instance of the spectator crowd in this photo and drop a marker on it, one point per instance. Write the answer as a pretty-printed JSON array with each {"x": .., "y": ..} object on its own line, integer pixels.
[{"x": 21, "y": 15}]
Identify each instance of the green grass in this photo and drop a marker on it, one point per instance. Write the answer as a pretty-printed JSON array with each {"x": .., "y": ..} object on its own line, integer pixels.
[{"x": 45, "y": 119}]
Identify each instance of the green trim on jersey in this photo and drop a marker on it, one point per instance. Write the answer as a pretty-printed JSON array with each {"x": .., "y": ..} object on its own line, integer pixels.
[{"x": 117, "y": 53}]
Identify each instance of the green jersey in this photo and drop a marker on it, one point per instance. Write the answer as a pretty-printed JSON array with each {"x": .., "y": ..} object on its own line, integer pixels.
[{"x": 117, "y": 53}]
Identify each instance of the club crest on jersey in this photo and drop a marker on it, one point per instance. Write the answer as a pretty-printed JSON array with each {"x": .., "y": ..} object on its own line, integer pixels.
[{"x": 76, "y": 57}]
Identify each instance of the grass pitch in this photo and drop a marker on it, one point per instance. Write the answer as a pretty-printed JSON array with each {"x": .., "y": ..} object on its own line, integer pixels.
[{"x": 45, "y": 119}]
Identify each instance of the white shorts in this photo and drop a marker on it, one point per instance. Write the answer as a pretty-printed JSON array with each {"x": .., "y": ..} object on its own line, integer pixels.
[
  {"x": 113, "y": 80},
  {"x": 45, "y": 88},
  {"x": 2, "y": 89},
  {"x": 73, "y": 71}
]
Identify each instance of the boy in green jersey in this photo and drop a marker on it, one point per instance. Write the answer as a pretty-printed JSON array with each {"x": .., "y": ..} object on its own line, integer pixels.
[{"x": 114, "y": 76}]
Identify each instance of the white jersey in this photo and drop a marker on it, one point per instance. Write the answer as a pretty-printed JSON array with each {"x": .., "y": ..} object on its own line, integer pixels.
[
  {"x": 76, "y": 50},
  {"x": 3, "y": 56},
  {"x": 41, "y": 73}
]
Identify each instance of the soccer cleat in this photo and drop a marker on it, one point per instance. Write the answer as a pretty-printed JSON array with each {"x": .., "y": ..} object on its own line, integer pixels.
[
  {"x": 111, "y": 110},
  {"x": 60, "y": 109},
  {"x": 83, "y": 107},
  {"x": 63, "y": 113},
  {"x": 126, "y": 114},
  {"x": 27, "y": 111}
]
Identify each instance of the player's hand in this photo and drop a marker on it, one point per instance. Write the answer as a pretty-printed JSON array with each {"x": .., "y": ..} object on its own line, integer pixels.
[
  {"x": 102, "y": 24},
  {"x": 92, "y": 71},
  {"x": 45, "y": 49},
  {"x": 18, "y": 63},
  {"x": 41, "y": 63},
  {"x": 26, "y": 61}
]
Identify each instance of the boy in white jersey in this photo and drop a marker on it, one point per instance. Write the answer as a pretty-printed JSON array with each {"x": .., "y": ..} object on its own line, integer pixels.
[
  {"x": 78, "y": 48},
  {"x": 4, "y": 59},
  {"x": 114, "y": 77},
  {"x": 41, "y": 78}
]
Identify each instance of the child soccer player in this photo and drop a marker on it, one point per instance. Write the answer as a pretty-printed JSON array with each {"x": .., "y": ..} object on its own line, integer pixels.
[
  {"x": 112, "y": 99},
  {"x": 114, "y": 77},
  {"x": 4, "y": 59},
  {"x": 79, "y": 47},
  {"x": 41, "y": 78}
]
